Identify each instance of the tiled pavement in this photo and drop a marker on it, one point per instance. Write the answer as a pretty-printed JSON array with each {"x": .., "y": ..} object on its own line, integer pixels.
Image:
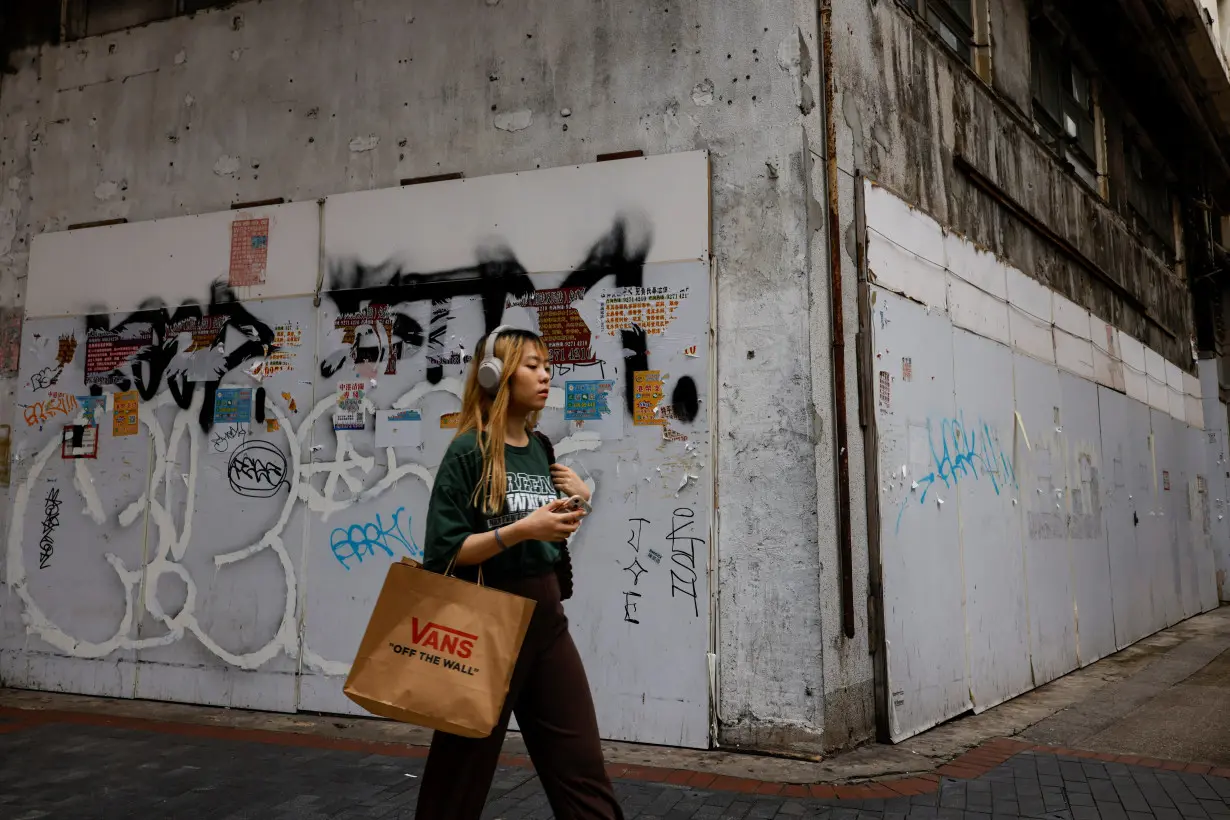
[{"x": 61, "y": 765}]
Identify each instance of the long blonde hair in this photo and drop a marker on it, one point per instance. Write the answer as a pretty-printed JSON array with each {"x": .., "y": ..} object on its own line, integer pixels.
[{"x": 487, "y": 415}]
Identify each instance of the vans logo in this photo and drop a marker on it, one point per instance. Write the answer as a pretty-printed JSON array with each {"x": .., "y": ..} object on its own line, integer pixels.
[{"x": 438, "y": 638}]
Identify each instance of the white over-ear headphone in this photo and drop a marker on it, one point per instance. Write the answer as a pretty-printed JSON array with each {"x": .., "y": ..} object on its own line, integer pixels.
[{"x": 491, "y": 368}]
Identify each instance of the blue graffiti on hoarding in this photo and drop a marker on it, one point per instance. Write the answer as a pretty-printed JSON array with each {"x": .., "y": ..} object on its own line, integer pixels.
[
  {"x": 963, "y": 453},
  {"x": 361, "y": 540}
]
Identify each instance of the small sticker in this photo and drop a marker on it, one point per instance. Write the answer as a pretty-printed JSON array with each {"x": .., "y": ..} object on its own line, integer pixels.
[
  {"x": 79, "y": 441},
  {"x": 1166, "y": 480},
  {"x": 290, "y": 402},
  {"x": 907, "y": 369},
  {"x": 92, "y": 407},
  {"x": 233, "y": 405},
  {"x": 655, "y": 556},
  {"x": 124, "y": 414},
  {"x": 272, "y": 425},
  {"x": 587, "y": 400},
  {"x": 886, "y": 389},
  {"x": 690, "y": 351},
  {"x": 450, "y": 421},
  {"x": 350, "y": 414},
  {"x": 647, "y": 393}
]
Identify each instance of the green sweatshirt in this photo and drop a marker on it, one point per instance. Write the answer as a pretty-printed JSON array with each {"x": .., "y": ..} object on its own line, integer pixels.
[{"x": 451, "y": 518}]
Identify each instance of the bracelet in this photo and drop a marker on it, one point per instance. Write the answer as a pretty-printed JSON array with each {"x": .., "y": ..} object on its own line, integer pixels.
[{"x": 498, "y": 539}]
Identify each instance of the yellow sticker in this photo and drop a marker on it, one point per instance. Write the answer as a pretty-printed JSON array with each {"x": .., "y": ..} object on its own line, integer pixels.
[{"x": 124, "y": 417}]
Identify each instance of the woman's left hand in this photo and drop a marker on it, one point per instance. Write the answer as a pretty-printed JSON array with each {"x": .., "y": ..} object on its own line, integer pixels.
[{"x": 568, "y": 482}]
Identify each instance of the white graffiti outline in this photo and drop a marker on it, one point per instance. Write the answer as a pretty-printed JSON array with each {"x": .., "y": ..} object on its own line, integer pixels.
[{"x": 140, "y": 585}]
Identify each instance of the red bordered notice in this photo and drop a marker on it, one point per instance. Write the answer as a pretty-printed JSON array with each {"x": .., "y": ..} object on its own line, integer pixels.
[{"x": 249, "y": 251}]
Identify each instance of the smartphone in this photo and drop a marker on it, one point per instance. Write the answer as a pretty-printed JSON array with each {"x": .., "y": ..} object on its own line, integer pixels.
[{"x": 577, "y": 503}]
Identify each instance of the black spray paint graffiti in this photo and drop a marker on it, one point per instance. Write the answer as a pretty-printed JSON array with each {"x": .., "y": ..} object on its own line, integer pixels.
[
  {"x": 222, "y": 439},
  {"x": 51, "y": 520},
  {"x": 368, "y": 292},
  {"x": 45, "y": 378},
  {"x": 634, "y": 541},
  {"x": 683, "y": 556},
  {"x": 188, "y": 345},
  {"x": 351, "y": 284},
  {"x": 257, "y": 470}
]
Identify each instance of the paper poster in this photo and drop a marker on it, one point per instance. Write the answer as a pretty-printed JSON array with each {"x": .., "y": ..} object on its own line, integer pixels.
[
  {"x": 587, "y": 400},
  {"x": 249, "y": 251},
  {"x": 399, "y": 428},
  {"x": 567, "y": 336},
  {"x": 92, "y": 407},
  {"x": 450, "y": 421},
  {"x": 364, "y": 333},
  {"x": 233, "y": 405},
  {"x": 124, "y": 416},
  {"x": 647, "y": 395},
  {"x": 79, "y": 441},
  {"x": 650, "y": 309},
  {"x": 349, "y": 414},
  {"x": 66, "y": 348},
  {"x": 106, "y": 351}
]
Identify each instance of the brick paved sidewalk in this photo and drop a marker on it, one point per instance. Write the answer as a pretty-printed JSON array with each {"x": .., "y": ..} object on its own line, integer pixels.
[{"x": 89, "y": 766}]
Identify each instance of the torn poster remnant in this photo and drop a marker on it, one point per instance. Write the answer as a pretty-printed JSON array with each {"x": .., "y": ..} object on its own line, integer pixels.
[
  {"x": 399, "y": 428},
  {"x": 79, "y": 441},
  {"x": 560, "y": 324}
]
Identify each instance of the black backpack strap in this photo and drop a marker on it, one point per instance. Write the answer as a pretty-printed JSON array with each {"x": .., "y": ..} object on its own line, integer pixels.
[
  {"x": 563, "y": 567},
  {"x": 546, "y": 445}
]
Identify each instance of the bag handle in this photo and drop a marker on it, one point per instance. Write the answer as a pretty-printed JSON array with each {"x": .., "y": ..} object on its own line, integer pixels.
[{"x": 448, "y": 571}]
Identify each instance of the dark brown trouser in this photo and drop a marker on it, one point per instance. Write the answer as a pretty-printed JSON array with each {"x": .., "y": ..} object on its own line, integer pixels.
[{"x": 555, "y": 712}]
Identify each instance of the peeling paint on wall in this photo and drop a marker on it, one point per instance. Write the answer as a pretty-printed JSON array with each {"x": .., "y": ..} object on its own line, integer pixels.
[{"x": 517, "y": 120}]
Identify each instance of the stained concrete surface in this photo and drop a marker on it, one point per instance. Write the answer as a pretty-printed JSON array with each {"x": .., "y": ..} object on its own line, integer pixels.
[{"x": 1189, "y": 721}]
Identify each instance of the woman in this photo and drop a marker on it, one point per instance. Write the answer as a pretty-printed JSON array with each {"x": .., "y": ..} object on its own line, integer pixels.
[{"x": 495, "y": 504}]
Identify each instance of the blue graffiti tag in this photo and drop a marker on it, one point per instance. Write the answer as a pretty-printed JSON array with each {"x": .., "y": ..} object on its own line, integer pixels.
[
  {"x": 963, "y": 454},
  {"x": 360, "y": 540}
]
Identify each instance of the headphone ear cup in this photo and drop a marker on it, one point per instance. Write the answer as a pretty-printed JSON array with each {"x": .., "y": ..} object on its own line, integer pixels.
[{"x": 489, "y": 373}]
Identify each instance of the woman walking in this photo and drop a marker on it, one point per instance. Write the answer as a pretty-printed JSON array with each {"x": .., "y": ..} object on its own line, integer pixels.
[{"x": 495, "y": 504}]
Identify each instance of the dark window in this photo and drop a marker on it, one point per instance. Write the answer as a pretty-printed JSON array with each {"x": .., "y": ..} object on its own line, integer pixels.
[
  {"x": 953, "y": 20},
  {"x": 1063, "y": 101}
]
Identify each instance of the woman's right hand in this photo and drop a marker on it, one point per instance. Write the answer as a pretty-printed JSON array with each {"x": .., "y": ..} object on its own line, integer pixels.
[{"x": 550, "y": 522}]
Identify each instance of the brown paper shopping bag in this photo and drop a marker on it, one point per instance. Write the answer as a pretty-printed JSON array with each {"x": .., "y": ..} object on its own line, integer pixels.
[{"x": 439, "y": 652}]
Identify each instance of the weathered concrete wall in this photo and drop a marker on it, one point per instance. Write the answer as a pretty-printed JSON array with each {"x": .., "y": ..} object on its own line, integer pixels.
[
  {"x": 919, "y": 108},
  {"x": 304, "y": 98}
]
